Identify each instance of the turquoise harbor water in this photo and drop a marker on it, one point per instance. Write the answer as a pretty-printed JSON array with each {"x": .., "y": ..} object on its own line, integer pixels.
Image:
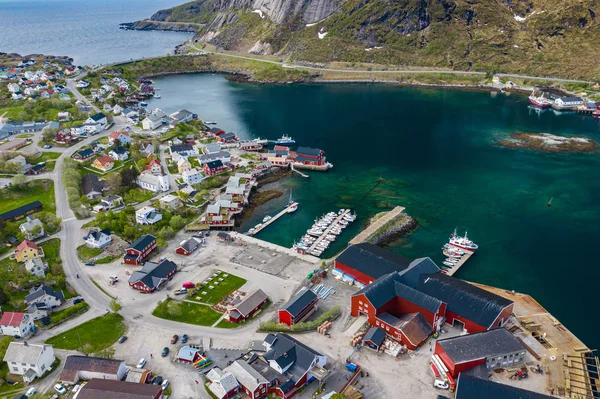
[
  {"x": 435, "y": 151},
  {"x": 87, "y": 30}
]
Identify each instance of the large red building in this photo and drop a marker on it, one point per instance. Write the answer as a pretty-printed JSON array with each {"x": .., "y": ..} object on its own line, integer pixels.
[
  {"x": 298, "y": 307},
  {"x": 152, "y": 276},
  {"x": 494, "y": 349},
  {"x": 364, "y": 263},
  {"x": 139, "y": 250},
  {"x": 416, "y": 299},
  {"x": 248, "y": 307}
]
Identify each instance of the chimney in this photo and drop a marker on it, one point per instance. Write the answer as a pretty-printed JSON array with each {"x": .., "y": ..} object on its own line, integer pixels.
[{"x": 25, "y": 343}]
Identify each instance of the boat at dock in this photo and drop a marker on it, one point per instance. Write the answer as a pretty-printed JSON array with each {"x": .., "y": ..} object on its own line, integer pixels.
[
  {"x": 157, "y": 96},
  {"x": 285, "y": 140},
  {"x": 463, "y": 242},
  {"x": 266, "y": 219},
  {"x": 292, "y": 205},
  {"x": 143, "y": 104},
  {"x": 539, "y": 102}
]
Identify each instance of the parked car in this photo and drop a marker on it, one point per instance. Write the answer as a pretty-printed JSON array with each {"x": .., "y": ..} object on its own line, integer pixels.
[
  {"x": 123, "y": 339},
  {"x": 174, "y": 339},
  {"x": 90, "y": 263},
  {"x": 184, "y": 338},
  {"x": 165, "y": 352},
  {"x": 78, "y": 300},
  {"x": 157, "y": 380},
  {"x": 30, "y": 392},
  {"x": 60, "y": 389},
  {"x": 165, "y": 384},
  {"x": 141, "y": 363}
]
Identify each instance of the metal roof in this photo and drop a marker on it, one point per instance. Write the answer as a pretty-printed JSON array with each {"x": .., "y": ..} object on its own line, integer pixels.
[
  {"x": 251, "y": 301},
  {"x": 20, "y": 210},
  {"x": 492, "y": 343},
  {"x": 372, "y": 260},
  {"x": 22, "y": 352},
  {"x": 299, "y": 302},
  {"x": 476, "y": 304},
  {"x": 153, "y": 274},
  {"x": 110, "y": 389},
  {"x": 375, "y": 335},
  {"x": 470, "y": 387},
  {"x": 142, "y": 242}
]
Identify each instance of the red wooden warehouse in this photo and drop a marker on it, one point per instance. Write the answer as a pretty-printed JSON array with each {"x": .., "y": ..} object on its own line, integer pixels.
[
  {"x": 139, "y": 250},
  {"x": 152, "y": 276},
  {"x": 248, "y": 307},
  {"x": 300, "y": 306}
]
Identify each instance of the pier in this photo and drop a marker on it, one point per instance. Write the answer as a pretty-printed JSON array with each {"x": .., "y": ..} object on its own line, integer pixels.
[
  {"x": 297, "y": 171},
  {"x": 463, "y": 259},
  {"x": 274, "y": 218},
  {"x": 376, "y": 225},
  {"x": 328, "y": 230}
]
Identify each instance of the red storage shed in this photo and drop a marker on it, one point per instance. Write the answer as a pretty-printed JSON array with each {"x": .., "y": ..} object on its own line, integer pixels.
[{"x": 298, "y": 307}]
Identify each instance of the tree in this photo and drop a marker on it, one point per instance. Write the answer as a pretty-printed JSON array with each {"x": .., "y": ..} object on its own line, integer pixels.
[
  {"x": 113, "y": 180},
  {"x": 107, "y": 353},
  {"x": 166, "y": 233},
  {"x": 176, "y": 222},
  {"x": 115, "y": 306},
  {"x": 48, "y": 134},
  {"x": 3, "y": 296},
  {"x": 129, "y": 177},
  {"x": 4, "y": 342},
  {"x": 36, "y": 230},
  {"x": 19, "y": 181}
]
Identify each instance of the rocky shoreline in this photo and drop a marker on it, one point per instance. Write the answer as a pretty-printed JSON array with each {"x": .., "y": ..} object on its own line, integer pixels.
[
  {"x": 547, "y": 142},
  {"x": 147, "y": 24}
]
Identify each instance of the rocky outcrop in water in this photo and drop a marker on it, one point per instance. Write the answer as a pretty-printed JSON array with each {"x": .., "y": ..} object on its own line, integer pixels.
[
  {"x": 399, "y": 229},
  {"x": 549, "y": 143},
  {"x": 147, "y": 24}
]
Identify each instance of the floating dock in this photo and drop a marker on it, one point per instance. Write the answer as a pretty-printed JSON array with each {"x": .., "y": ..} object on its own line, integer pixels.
[
  {"x": 463, "y": 259},
  {"x": 267, "y": 223},
  {"x": 328, "y": 230}
]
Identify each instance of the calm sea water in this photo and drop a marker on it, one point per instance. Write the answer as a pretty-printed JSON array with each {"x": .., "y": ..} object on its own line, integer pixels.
[
  {"x": 435, "y": 151},
  {"x": 87, "y": 30}
]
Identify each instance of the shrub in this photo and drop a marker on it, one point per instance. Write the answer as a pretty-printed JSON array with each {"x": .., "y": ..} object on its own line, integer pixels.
[{"x": 270, "y": 326}]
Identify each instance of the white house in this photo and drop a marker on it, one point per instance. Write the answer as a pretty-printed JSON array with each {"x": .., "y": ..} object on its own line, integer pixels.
[
  {"x": 568, "y": 101},
  {"x": 131, "y": 115},
  {"x": 107, "y": 203},
  {"x": 223, "y": 156},
  {"x": 13, "y": 88},
  {"x": 212, "y": 148},
  {"x": 44, "y": 295},
  {"x": 36, "y": 311},
  {"x": 170, "y": 201},
  {"x": 92, "y": 128},
  {"x": 98, "y": 118},
  {"x": 117, "y": 109},
  {"x": 123, "y": 137},
  {"x": 29, "y": 360},
  {"x": 147, "y": 148},
  {"x": 192, "y": 176},
  {"x": 184, "y": 150},
  {"x": 152, "y": 121},
  {"x": 98, "y": 238},
  {"x": 29, "y": 226},
  {"x": 147, "y": 215},
  {"x": 16, "y": 324},
  {"x": 118, "y": 154},
  {"x": 151, "y": 182},
  {"x": 36, "y": 267},
  {"x": 181, "y": 116}
]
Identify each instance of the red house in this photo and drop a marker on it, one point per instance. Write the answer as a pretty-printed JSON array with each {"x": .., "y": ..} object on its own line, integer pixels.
[
  {"x": 188, "y": 246},
  {"x": 310, "y": 156},
  {"x": 300, "y": 306},
  {"x": 214, "y": 167},
  {"x": 494, "y": 349},
  {"x": 248, "y": 307},
  {"x": 139, "y": 250},
  {"x": 64, "y": 137},
  {"x": 152, "y": 276}
]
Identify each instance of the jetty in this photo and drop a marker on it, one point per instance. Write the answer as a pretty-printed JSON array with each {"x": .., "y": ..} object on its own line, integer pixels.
[
  {"x": 268, "y": 222},
  {"x": 463, "y": 259},
  {"x": 327, "y": 231},
  {"x": 376, "y": 225},
  {"x": 297, "y": 171}
]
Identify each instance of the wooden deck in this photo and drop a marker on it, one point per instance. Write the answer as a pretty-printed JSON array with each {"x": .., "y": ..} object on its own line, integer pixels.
[{"x": 461, "y": 262}]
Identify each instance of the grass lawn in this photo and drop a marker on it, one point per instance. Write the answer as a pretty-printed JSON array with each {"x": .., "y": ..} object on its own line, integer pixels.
[
  {"x": 105, "y": 260},
  {"x": 186, "y": 312},
  {"x": 98, "y": 333},
  {"x": 225, "y": 287},
  {"x": 64, "y": 314},
  {"x": 48, "y": 157},
  {"x": 102, "y": 289},
  {"x": 85, "y": 253},
  {"x": 42, "y": 190}
]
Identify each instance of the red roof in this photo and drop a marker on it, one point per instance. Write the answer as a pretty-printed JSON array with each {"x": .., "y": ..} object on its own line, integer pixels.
[
  {"x": 104, "y": 160},
  {"x": 281, "y": 148},
  {"x": 12, "y": 319},
  {"x": 114, "y": 135},
  {"x": 153, "y": 162},
  {"x": 27, "y": 244}
]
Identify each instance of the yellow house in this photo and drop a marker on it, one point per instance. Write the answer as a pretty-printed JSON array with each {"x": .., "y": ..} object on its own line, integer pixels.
[
  {"x": 28, "y": 250},
  {"x": 183, "y": 165},
  {"x": 104, "y": 163}
]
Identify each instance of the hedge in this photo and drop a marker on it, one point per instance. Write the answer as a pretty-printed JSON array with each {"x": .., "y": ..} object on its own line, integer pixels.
[{"x": 270, "y": 326}]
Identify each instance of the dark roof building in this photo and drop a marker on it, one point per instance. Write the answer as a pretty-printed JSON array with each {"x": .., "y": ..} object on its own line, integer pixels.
[
  {"x": 110, "y": 389},
  {"x": 98, "y": 117},
  {"x": 215, "y": 164},
  {"x": 140, "y": 249},
  {"x": 84, "y": 154},
  {"x": 475, "y": 304},
  {"x": 298, "y": 307},
  {"x": 152, "y": 276},
  {"x": 248, "y": 306},
  {"x": 181, "y": 148},
  {"x": 92, "y": 186},
  {"x": 497, "y": 348},
  {"x": 365, "y": 263},
  {"x": 309, "y": 152},
  {"x": 470, "y": 387},
  {"x": 86, "y": 367},
  {"x": 21, "y": 211},
  {"x": 374, "y": 338}
]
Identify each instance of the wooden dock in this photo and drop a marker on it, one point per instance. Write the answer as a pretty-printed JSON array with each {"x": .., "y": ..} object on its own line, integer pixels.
[
  {"x": 461, "y": 262},
  {"x": 273, "y": 219},
  {"x": 328, "y": 230}
]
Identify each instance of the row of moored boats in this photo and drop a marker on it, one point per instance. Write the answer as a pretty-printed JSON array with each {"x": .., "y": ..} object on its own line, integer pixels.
[
  {"x": 456, "y": 248},
  {"x": 323, "y": 232}
]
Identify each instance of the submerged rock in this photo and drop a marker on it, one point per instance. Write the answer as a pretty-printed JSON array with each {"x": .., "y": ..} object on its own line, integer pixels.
[{"x": 549, "y": 143}]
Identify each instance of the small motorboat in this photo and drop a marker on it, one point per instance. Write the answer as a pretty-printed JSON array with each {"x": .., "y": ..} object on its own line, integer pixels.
[
  {"x": 157, "y": 96},
  {"x": 267, "y": 218},
  {"x": 143, "y": 104}
]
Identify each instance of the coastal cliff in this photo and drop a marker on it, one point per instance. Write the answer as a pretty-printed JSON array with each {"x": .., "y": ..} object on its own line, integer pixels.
[{"x": 537, "y": 37}]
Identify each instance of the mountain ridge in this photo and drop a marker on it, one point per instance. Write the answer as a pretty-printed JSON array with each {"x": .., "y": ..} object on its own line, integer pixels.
[{"x": 539, "y": 37}]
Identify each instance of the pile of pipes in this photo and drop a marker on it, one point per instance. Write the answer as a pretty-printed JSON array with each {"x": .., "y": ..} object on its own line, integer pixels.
[{"x": 323, "y": 291}]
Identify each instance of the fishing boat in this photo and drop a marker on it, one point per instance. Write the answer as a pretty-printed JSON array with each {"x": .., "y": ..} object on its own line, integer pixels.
[
  {"x": 143, "y": 104},
  {"x": 285, "y": 140},
  {"x": 463, "y": 242},
  {"x": 539, "y": 101},
  {"x": 448, "y": 264}
]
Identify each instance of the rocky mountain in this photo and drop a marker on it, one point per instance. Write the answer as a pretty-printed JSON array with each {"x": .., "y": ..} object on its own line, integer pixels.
[{"x": 541, "y": 37}]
